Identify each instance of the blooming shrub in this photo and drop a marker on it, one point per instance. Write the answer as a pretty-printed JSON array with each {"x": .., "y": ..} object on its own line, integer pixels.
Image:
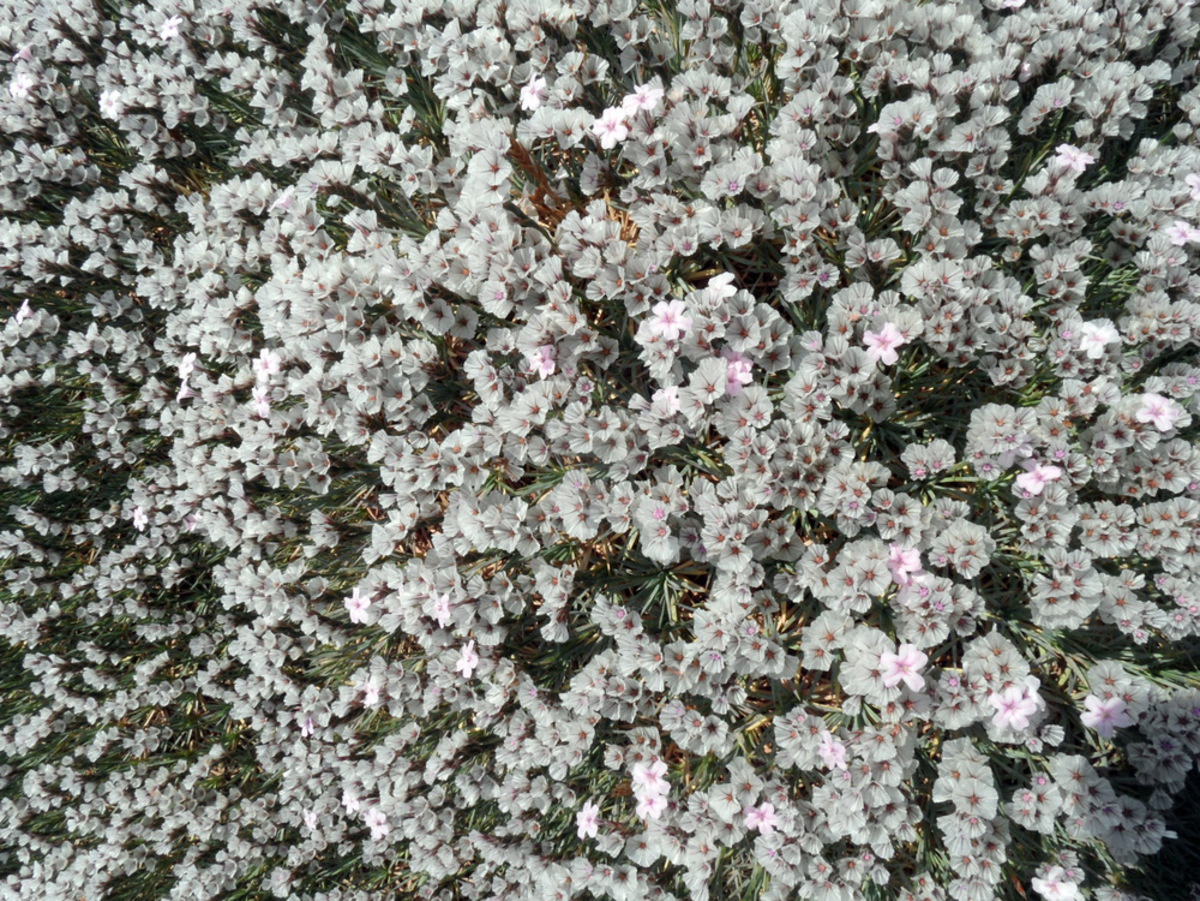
[{"x": 597, "y": 449}]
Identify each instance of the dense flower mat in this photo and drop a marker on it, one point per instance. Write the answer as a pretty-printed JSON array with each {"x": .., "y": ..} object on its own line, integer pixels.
[{"x": 644, "y": 450}]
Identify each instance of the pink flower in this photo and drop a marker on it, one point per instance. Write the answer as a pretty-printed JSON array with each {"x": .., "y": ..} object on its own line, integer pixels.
[
  {"x": 651, "y": 806},
  {"x": 543, "y": 360},
  {"x": 650, "y": 778},
  {"x": 1105, "y": 715},
  {"x": 1095, "y": 336},
  {"x": 24, "y": 311},
  {"x": 441, "y": 610},
  {"x": 740, "y": 371},
  {"x": 832, "y": 751},
  {"x": 587, "y": 821},
  {"x": 376, "y": 821},
  {"x": 903, "y": 562},
  {"x": 284, "y": 200},
  {"x": 610, "y": 128},
  {"x": 21, "y": 85},
  {"x": 1037, "y": 477},
  {"x": 357, "y": 604},
  {"x": 1182, "y": 233},
  {"x": 668, "y": 397},
  {"x": 24, "y": 52},
  {"x": 533, "y": 93},
  {"x": 1054, "y": 887},
  {"x": 1073, "y": 158},
  {"x": 1015, "y": 705},
  {"x": 170, "y": 28},
  {"x": 140, "y": 519},
  {"x": 1161, "y": 411},
  {"x": 468, "y": 661},
  {"x": 761, "y": 818},
  {"x": 644, "y": 97},
  {"x": 903, "y": 667},
  {"x": 670, "y": 320},
  {"x": 261, "y": 396},
  {"x": 1193, "y": 182},
  {"x": 881, "y": 345},
  {"x": 266, "y": 365}
]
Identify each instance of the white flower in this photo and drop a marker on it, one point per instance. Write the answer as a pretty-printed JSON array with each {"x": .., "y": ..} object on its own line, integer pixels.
[
  {"x": 261, "y": 398},
  {"x": 1095, "y": 336},
  {"x": 21, "y": 85},
  {"x": 140, "y": 519},
  {"x": 24, "y": 312},
  {"x": 170, "y": 28},
  {"x": 533, "y": 93},
  {"x": 111, "y": 104},
  {"x": 1193, "y": 182}
]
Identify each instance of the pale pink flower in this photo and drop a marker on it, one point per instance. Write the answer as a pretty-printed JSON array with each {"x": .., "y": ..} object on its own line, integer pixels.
[
  {"x": 170, "y": 28},
  {"x": 668, "y": 397},
  {"x": 468, "y": 661},
  {"x": 1182, "y": 233},
  {"x": 1055, "y": 887},
  {"x": 1015, "y": 705},
  {"x": 1193, "y": 182},
  {"x": 1161, "y": 411},
  {"x": 903, "y": 667},
  {"x": 184, "y": 392},
  {"x": 739, "y": 372},
  {"x": 284, "y": 200},
  {"x": 1037, "y": 477},
  {"x": 111, "y": 104},
  {"x": 306, "y": 727},
  {"x": 610, "y": 128},
  {"x": 1073, "y": 158},
  {"x": 21, "y": 85},
  {"x": 441, "y": 610},
  {"x": 1013, "y": 4},
  {"x": 376, "y": 821},
  {"x": 140, "y": 519},
  {"x": 358, "y": 604},
  {"x": 832, "y": 751},
  {"x": 587, "y": 821},
  {"x": 644, "y": 97},
  {"x": 267, "y": 364},
  {"x": 543, "y": 360},
  {"x": 903, "y": 562},
  {"x": 1095, "y": 336},
  {"x": 350, "y": 801},
  {"x": 261, "y": 395},
  {"x": 761, "y": 818},
  {"x": 650, "y": 777},
  {"x": 370, "y": 690},
  {"x": 310, "y": 819},
  {"x": 533, "y": 93},
  {"x": 651, "y": 806},
  {"x": 881, "y": 345},
  {"x": 25, "y": 53},
  {"x": 24, "y": 311},
  {"x": 670, "y": 319},
  {"x": 1106, "y": 715}
]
